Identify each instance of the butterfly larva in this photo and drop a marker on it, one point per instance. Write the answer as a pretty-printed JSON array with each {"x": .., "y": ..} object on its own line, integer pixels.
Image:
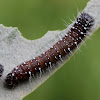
[
  {"x": 1, "y": 70},
  {"x": 63, "y": 47}
]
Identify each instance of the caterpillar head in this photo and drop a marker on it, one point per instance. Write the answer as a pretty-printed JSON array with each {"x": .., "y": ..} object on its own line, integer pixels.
[{"x": 11, "y": 80}]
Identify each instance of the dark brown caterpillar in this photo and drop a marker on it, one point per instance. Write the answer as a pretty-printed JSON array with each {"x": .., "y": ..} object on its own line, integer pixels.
[
  {"x": 63, "y": 47},
  {"x": 1, "y": 70}
]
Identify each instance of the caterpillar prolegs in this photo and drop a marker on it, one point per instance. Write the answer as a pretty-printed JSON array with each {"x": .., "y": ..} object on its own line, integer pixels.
[{"x": 63, "y": 47}]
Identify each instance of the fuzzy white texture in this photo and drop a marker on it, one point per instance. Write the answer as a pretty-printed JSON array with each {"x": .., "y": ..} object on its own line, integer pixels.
[{"x": 14, "y": 49}]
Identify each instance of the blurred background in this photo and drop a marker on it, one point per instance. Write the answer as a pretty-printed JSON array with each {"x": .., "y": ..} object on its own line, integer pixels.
[{"x": 79, "y": 78}]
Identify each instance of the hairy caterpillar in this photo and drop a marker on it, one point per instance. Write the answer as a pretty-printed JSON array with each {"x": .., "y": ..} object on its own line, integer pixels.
[
  {"x": 1, "y": 70},
  {"x": 63, "y": 47}
]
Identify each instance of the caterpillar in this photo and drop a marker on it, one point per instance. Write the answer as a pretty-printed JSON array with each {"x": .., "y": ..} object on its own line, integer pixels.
[
  {"x": 1, "y": 70},
  {"x": 63, "y": 47}
]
